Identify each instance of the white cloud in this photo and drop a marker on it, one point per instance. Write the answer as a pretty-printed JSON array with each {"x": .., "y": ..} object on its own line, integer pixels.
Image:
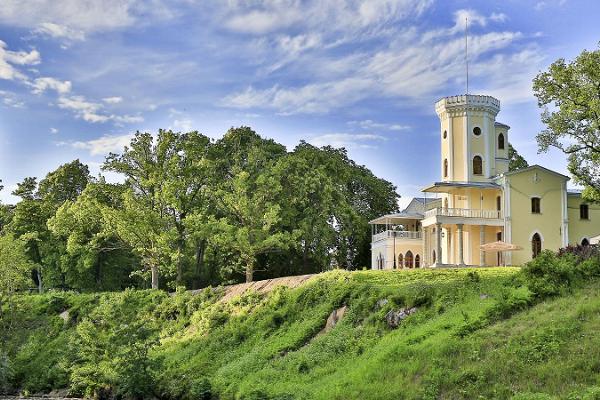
[
  {"x": 92, "y": 112},
  {"x": 183, "y": 125},
  {"x": 102, "y": 145},
  {"x": 9, "y": 99},
  {"x": 8, "y": 60},
  {"x": 74, "y": 18},
  {"x": 53, "y": 130},
  {"x": 348, "y": 140},
  {"x": 371, "y": 125},
  {"x": 112, "y": 100},
  {"x": 40, "y": 85},
  {"x": 499, "y": 17},
  {"x": 58, "y": 31}
]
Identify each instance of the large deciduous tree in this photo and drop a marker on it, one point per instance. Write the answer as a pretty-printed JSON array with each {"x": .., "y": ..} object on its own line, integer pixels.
[
  {"x": 569, "y": 95},
  {"x": 515, "y": 160}
]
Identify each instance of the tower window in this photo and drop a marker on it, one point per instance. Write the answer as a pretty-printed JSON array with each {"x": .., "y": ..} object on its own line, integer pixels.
[
  {"x": 584, "y": 211},
  {"x": 445, "y": 134},
  {"x": 477, "y": 131},
  {"x": 477, "y": 165},
  {"x": 501, "y": 141},
  {"x": 536, "y": 245},
  {"x": 535, "y": 205},
  {"x": 498, "y": 203},
  {"x": 445, "y": 167}
]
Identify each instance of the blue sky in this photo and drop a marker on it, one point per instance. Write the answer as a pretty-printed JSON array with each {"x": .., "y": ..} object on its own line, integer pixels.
[{"x": 78, "y": 77}]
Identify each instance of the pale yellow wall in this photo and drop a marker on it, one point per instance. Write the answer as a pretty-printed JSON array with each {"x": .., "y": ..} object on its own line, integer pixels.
[
  {"x": 477, "y": 146},
  {"x": 386, "y": 248},
  {"x": 581, "y": 228},
  {"x": 549, "y": 187},
  {"x": 458, "y": 129},
  {"x": 501, "y": 164}
]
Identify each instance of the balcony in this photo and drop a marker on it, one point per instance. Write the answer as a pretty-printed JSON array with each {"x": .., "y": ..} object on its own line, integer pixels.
[
  {"x": 414, "y": 235},
  {"x": 463, "y": 215}
]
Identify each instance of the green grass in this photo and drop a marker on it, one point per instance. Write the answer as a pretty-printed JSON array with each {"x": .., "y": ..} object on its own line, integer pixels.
[{"x": 478, "y": 333}]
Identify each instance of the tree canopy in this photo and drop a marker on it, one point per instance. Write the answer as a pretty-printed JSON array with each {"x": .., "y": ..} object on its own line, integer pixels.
[
  {"x": 192, "y": 212},
  {"x": 569, "y": 95}
]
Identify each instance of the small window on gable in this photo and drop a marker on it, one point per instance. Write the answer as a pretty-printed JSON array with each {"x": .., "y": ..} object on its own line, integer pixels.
[
  {"x": 445, "y": 167},
  {"x": 584, "y": 211},
  {"x": 477, "y": 165},
  {"x": 535, "y": 205},
  {"x": 477, "y": 131},
  {"x": 501, "y": 141},
  {"x": 445, "y": 134}
]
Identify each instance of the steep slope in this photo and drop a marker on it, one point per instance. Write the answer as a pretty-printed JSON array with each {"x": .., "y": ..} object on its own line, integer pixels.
[{"x": 471, "y": 333}]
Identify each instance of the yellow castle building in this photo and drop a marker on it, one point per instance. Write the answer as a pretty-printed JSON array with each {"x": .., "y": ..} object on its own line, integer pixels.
[{"x": 479, "y": 201}]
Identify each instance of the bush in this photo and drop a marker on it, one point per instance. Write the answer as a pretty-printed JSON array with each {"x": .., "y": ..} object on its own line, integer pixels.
[{"x": 549, "y": 274}]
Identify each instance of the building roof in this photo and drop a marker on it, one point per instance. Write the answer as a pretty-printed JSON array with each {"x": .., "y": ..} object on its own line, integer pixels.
[
  {"x": 425, "y": 200},
  {"x": 441, "y": 187},
  {"x": 535, "y": 166},
  {"x": 573, "y": 192},
  {"x": 501, "y": 124},
  {"x": 401, "y": 215}
]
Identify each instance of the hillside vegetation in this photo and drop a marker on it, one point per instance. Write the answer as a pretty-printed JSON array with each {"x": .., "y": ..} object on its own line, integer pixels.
[{"x": 476, "y": 333}]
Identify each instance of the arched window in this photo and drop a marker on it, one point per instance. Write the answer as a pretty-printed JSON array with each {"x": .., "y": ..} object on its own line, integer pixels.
[
  {"x": 400, "y": 260},
  {"x": 584, "y": 211},
  {"x": 477, "y": 131},
  {"x": 445, "y": 134},
  {"x": 417, "y": 261},
  {"x": 536, "y": 245},
  {"x": 501, "y": 141},
  {"x": 585, "y": 242},
  {"x": 408, "y": 259},
  {"x": 445, "y": 167},
  {"x": 477, "y": 165}
]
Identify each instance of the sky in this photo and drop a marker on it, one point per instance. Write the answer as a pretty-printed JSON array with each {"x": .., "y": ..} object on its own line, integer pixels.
[{"x": 79, "y": 77}]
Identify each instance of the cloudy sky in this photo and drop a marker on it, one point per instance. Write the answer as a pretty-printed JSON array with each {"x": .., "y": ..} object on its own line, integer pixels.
[{"x": 77, "y": 77}]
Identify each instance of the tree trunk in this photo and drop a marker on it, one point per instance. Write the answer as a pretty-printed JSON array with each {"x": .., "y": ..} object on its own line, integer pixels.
[
  {"x": 249, "y": 272},
  {"x": 154, "y": 270},
  {"x": 201, "y": 247},
  {"x": 180, "y": 259},
  {"x": 39, "y": 277}
]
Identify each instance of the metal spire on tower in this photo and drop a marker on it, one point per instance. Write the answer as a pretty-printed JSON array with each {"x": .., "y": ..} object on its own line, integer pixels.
[{"x": 467, "y": 50}]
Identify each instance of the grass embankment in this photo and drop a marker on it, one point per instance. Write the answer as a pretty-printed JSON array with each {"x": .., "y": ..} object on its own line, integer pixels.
[{"x": 481, "y": 333}]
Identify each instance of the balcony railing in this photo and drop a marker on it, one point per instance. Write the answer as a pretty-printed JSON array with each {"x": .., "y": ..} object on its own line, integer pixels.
[
  {"x": 463, "y": 213},
  {"x": 398, "y": 234}
]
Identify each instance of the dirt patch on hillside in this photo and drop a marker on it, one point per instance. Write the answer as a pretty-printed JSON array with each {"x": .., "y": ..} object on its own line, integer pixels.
[{"x": 264, "y": 286}]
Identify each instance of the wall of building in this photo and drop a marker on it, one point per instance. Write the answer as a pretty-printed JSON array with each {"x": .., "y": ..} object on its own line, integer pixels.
[
  {"x": 549, "y": 188},
  {"x": 386, "y": 249},
  {"x": 582, "y": 228}
]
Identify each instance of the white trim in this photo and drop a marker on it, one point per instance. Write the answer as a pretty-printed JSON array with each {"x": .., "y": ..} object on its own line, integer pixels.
[
  {"x": 507, "y": 219},
  {"x": 450, "y": 148},
  {"x": 483, "y": 166},
  {"x": 539, "y": 233},
  {"x": 535, "y": 196},
  {"x": 486, "y": 138},
  {"x": 467, "y": 146},
  {"x": 565, "y": 216}
]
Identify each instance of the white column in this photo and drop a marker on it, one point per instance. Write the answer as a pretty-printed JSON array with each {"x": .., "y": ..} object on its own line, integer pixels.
[
  {"x": 438, "y": 236},
  {"x": 481, "y": 241},
  {"x": 461, "y": 259},
  {"x": 450, "y": 255}
]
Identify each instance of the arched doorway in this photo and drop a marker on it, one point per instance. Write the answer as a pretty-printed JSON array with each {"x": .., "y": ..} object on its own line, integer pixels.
[
  {"x": 585, "y": 242},
  {"x": 536, "y": 245},
  {"x": 417, "y": 261},
  {"x": 400, "y": 260},
  {"x": 408, "y": 259}
]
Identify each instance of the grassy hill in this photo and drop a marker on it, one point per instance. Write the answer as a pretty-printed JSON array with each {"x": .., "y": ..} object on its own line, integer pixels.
[{"x": 474, "y": 333}]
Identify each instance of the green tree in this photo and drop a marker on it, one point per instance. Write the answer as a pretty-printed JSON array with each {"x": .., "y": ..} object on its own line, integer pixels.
[
  {"x": 515, "y": 160},
  {"x": 15, "y": 269},
  {"x": 167, "y": 180},
  {"x": 99, "y": 259},
  {"x": 568, "y": 93}
]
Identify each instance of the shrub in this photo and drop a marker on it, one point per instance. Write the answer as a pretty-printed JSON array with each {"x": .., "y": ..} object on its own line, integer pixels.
[{"x": 548, "y": 274}]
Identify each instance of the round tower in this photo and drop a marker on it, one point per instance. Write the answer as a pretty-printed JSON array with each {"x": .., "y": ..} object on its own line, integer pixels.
[{"x": 474, "y": 147}]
